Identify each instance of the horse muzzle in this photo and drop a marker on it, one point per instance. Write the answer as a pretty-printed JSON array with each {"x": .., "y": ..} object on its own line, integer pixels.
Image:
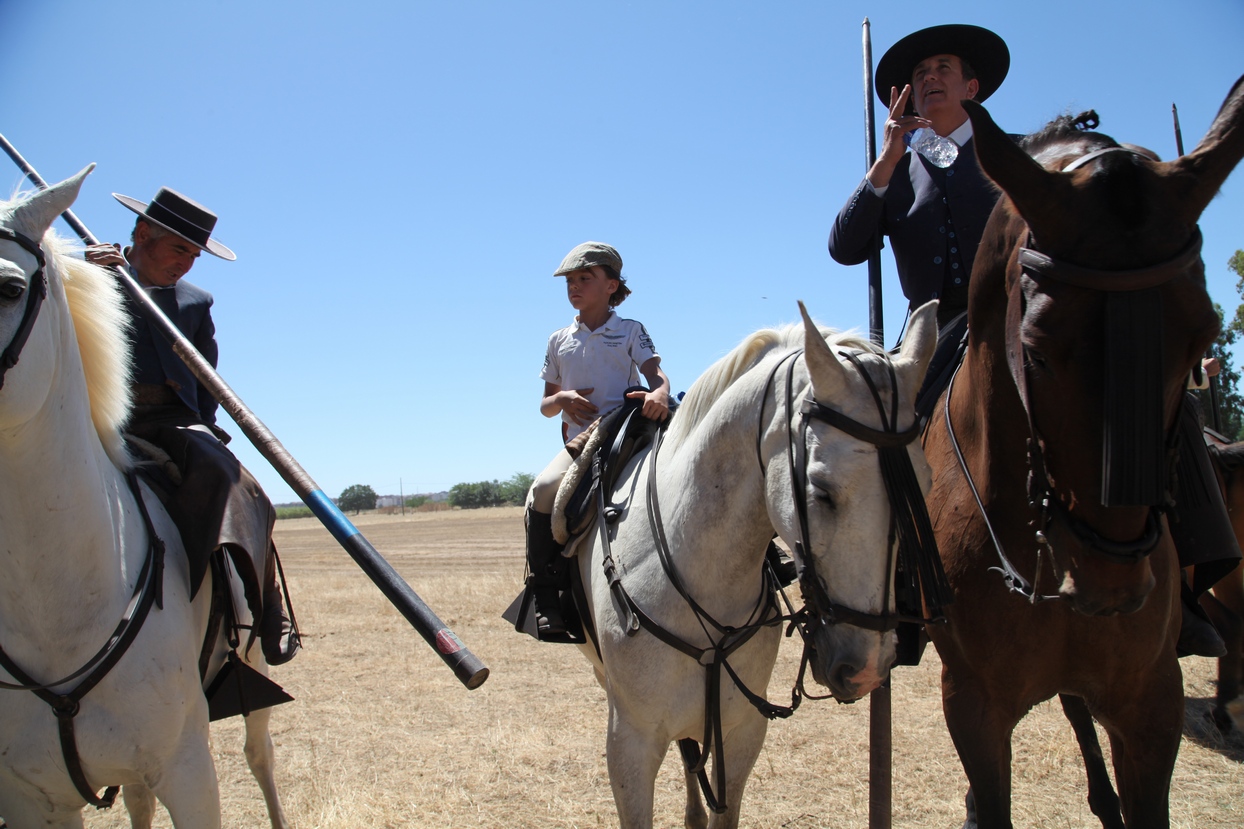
[{"x": 849, "y": 661}]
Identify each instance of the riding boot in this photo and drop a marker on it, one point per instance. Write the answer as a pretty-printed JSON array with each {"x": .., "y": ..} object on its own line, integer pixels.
[
  {"x": 783, "y": 565},
  {"x": 546, "y": 567},
  {"x": 278, "y": 636},
  {"x": 1197, "y": 634}
]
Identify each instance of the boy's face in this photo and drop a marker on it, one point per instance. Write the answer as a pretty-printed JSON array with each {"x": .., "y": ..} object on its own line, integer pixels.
[{"x": 589, "y": 289}]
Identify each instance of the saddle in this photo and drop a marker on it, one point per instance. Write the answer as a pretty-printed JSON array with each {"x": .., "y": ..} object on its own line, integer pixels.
[
  {"x": 236, "y": 688},
  {"x": 621, "y": 435}
]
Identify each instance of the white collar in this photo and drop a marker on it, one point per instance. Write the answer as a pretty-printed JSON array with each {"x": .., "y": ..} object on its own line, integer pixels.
[
  {"x": 609, "y": 323},
  {"x": 963, "y": 133}
]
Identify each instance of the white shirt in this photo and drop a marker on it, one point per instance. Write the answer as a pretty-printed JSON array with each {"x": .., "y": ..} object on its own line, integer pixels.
[
  {"x": 606, "y": 360},
  {"x": 961, "y": 136}
]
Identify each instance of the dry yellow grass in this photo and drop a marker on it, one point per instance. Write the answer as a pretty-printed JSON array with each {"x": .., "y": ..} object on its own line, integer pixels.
[{"x": 383, "y": 735}]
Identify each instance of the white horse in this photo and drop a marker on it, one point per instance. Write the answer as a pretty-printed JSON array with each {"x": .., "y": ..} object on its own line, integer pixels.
[
  {"x": 724, "y": 486},
  {"x": 75, "y": 551}
]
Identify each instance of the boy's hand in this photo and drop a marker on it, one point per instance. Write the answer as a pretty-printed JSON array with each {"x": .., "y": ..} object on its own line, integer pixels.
[
  {"x": 656, "y": 404},
  {"x": 574, "y": 402}
]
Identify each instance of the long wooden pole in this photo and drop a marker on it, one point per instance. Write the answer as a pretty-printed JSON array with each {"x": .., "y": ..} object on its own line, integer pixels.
[
  {"x": 880, "y": 735},
  {"x": 469, "y": 669}
]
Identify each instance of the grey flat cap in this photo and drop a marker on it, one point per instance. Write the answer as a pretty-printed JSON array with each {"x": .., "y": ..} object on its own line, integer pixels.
[{"x": 588, "y": 254}]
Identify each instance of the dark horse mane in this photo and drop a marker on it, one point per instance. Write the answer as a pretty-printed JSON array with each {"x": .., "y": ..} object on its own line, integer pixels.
[
  {"x": 1065, "y": 129},
  {"x": 1069, "y": 136}
]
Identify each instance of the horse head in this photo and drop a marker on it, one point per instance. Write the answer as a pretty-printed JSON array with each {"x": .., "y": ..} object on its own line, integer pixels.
[
  {"x": 837, "y": 515},
  {"x": 1089, "y": 294},
  {"x": 24, "y": 284}
]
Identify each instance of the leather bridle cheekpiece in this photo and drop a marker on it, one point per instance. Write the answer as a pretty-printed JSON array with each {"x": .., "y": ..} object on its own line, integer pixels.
[
  {"x": 924, "y": 589},
  {"x": 36, "y": 292}
]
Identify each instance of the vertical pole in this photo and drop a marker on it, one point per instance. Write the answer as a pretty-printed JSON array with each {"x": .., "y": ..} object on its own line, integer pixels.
[
  {"x": 876, "y": 320},
  {"x": 401, "y": 496},
  {"x": 880, "y": 738}
]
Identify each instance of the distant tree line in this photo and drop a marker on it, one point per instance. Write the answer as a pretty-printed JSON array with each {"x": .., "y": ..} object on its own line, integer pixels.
[
  {"x": 1230, "y": 400},
  {"x": 491, "y": 493}
]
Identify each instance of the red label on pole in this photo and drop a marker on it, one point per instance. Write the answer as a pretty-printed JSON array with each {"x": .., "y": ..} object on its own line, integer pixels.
[{"x": 446, "y": 642}]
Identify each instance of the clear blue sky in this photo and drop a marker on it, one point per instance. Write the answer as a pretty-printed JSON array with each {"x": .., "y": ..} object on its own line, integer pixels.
[{"x": 399, "y": 179}]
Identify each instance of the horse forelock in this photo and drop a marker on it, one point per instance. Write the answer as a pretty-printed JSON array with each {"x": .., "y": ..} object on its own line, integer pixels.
[
  {"x": 1064, "y": 138},
  {"x": 756, "y": 348},
  {"x": 100, "y": 325}
]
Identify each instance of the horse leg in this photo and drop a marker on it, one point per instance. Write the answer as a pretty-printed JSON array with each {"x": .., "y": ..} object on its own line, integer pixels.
[
  {"x": 633, "y": 758},
  {"x": 1229, "y": 625},
  {"x": 188, "y": 786},
  {"x": 741, "y": 747},
  {"x": 1145, "y": 724},
  {"x": 1101, "y": 797},
  {"x": 695, "y": 816},
  {"x": 259, "y": 756},
  {"x": 982, "y": 738},
  {"x": 140, "y": 802}
]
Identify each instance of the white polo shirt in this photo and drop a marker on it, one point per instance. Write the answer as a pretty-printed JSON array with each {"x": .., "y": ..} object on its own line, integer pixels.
[{"x": 606, "y": 360}]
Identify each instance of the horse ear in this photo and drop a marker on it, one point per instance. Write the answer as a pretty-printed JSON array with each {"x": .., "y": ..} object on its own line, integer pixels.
[
  {"x": 1033, "y": 190},
  {"x": 1205, "y": 169},
  {"x": 828, "y": 375},
  {"x": 918, "y": 345},
  {"x": 35, "y": 215}
]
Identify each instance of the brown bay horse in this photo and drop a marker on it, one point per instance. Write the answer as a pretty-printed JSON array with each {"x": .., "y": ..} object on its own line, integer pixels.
[{"x": 1052, "y": 450}]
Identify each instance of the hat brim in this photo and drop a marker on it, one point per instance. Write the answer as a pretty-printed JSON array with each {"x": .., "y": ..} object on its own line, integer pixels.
[
  {"x": 985, "y": 51},
  {"x": 140, "y": 207}
]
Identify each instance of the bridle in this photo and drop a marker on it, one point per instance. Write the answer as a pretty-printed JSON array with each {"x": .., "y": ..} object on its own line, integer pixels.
[
  {"x": 1130, "y": 296},
  {"x": 924, "y": 589},
  {"x": 36, "y": 292}
]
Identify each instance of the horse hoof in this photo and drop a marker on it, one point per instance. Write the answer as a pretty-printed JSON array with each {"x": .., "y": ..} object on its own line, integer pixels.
[{"x": 1222, "y": 719}]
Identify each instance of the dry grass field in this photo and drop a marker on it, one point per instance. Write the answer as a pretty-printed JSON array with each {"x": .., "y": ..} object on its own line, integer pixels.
[{"x": 383, "y": 735}]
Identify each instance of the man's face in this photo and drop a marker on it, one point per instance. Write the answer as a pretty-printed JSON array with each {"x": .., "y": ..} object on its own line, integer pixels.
[
  {"x": 163, "y": 260},
  {"x": 938, "y": 85}
]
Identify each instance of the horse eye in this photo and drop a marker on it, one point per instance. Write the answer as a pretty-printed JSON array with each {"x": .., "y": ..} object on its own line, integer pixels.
[
  {"x": 12, "y": 289},
  {"x": 823, "y": 496},
  {"x": 1037, "y": 359}
]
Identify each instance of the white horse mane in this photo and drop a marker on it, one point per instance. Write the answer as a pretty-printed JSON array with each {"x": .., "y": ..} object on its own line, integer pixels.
[
  {"x": 714, "y": 382},
  {"x": 101, "y": 323}
]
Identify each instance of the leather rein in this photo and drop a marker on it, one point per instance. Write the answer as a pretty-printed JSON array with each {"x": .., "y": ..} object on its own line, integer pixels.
[
  {"x": 1038, "y": 267},
  {"x": 148, "y": 589}
]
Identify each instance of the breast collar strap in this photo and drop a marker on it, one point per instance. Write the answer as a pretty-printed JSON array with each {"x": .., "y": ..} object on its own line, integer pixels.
[{"x": 36, "y": 292}]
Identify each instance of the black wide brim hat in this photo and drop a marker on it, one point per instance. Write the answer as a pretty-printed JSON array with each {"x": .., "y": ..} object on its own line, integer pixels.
[
  {"x": 183, "y": 216},
  {"x": 981, "y": 48}
]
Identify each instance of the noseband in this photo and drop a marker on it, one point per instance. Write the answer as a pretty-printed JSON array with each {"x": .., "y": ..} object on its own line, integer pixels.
[
  {"x": 924, "y": 587},
  {"x": 36, "y": 292}
]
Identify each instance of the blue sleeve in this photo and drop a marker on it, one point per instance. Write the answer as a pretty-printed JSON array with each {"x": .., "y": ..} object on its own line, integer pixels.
[{"x": 857, "y": 231}]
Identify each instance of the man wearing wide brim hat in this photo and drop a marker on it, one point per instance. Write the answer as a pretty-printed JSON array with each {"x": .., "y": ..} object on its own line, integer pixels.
[
  {"x": 932, "y": 200},
  {"x": 216, "y": 502}
]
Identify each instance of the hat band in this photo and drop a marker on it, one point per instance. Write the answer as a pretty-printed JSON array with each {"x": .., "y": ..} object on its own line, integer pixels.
[{"x": 179, "y": 224}]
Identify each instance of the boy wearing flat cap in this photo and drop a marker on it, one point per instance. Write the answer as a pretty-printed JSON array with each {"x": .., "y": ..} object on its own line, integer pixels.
[{"x": 588, "y": 368}]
